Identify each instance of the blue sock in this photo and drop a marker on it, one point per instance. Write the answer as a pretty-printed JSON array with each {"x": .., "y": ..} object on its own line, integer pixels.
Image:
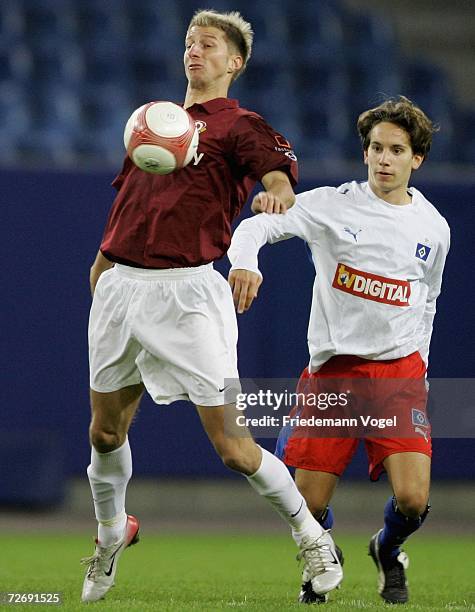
[
  {"x": 326, "y": 519},
  {"x": 397, "y": 528}
]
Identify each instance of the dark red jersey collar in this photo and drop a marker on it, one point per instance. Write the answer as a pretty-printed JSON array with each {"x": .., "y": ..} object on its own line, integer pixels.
[{"x": 213, "y": 106}]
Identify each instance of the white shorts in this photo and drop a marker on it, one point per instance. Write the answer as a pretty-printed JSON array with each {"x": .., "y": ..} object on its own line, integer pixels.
[{"x": 174, "y": 330}]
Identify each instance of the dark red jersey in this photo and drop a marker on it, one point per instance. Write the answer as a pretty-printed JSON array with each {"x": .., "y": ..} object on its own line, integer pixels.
[{"x": 184, "y": 219}]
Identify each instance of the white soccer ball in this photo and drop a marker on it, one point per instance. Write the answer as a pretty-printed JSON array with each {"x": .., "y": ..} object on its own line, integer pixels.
[{"x": 161, "y": 137}]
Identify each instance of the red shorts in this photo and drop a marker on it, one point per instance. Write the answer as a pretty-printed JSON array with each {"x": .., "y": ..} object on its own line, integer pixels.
[{"x": 310, "y": 450}]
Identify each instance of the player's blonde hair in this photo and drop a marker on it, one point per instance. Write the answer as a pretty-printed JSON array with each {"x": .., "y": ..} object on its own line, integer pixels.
[
  {"x": 237, "y": 31},
  {"x": 405, "y": 114}
]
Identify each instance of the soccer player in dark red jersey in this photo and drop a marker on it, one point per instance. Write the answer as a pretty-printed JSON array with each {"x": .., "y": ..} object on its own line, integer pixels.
[{"x": 162, "y": 320}]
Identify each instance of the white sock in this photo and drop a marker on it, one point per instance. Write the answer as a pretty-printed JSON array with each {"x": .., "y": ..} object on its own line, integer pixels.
[
  {"x": 109, "y": 474},
  {"x": 110, "y": 532},
  {"x": 273, "y": 481},
  {"x": 307, "y": 528}
]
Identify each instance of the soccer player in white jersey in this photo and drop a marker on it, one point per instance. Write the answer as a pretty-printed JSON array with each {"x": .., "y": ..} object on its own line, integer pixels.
[{"x": 379, "y": 249}]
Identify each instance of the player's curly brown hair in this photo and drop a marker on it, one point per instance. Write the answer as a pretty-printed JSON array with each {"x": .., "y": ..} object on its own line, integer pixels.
[
  {"x": 238, "y": 31},
  {"x": 406, "y": 115}
]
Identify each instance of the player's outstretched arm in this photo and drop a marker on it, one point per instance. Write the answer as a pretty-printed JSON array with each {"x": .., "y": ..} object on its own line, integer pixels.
[
  {"x": 100, "y": 265},
  {"x": 278, "y": 196},
  {"x": 245, "y": 285},
  {"x": 251, "y": 234}
]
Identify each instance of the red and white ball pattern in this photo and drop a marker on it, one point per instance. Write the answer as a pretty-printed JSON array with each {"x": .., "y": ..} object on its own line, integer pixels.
[{"x": 161, "y": 137}]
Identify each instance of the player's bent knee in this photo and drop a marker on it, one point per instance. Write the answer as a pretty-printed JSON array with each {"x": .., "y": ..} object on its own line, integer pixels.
[
  {"x": 412, "y": 505},
  {"x": 237, "y": 456},
  {"x": 316, "y": 507},
  {"x": 316, "y": 501},
  {"x": 233, "y": 462},
  {"x": 236, "y": 461},
  {"x": 105, "y": 442}
]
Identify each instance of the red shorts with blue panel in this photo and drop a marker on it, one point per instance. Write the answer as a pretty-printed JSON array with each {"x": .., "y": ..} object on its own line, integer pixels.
[{"x": 365, "y": 393}]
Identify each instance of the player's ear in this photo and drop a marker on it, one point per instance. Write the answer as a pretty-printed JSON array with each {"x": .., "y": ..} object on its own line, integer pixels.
[
  {"x": 417, "y": 160},
  {"x": 235, "y": 63},
  {"x": 365, "y": 156}
]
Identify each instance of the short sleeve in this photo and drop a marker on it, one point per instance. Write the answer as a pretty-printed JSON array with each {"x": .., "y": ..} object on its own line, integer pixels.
[
  {"x": 259, "y": 149},
  {"x": 120, "y": 178}
]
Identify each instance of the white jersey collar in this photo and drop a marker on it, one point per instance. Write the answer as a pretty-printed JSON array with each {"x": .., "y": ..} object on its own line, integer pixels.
[{"x": 396, "y": 207}]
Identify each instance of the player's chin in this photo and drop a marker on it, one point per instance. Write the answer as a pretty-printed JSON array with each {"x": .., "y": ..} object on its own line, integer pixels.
[
  {"x": 196, "y": 81},
  {"x": 385, "y": 184}
]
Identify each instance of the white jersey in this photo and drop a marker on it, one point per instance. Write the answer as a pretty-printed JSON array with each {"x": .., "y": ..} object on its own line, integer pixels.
[{"x": 378, "y": 268}]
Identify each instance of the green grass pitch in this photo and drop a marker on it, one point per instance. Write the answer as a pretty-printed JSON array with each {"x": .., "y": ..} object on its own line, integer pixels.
[{"x": 230, "y": 572}]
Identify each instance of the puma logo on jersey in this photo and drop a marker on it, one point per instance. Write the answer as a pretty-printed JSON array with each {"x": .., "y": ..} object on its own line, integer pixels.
[
  {"x": 354, "y": 234},
  {"x": 372, "y": 286},
  {"x": 423, "y": 433}
]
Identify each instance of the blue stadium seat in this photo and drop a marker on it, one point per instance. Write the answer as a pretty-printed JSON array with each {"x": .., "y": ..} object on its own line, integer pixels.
[
  {"x": 60, "y": 65},
  {"x": 47, "y": 23},
  {"x": 315, "y": 67},
  {"x": 48, "y": 118},
  {"x": 99, "y": 28},
  {"x": 464, "y": 136},
  {"x": 371, "y": 58},
  {"x": 429, "y": 86},
  {"x": 156, "y": 47},
  {"x": 11, "y": 23},
  {"x": 187, "y": 8},
  {"x": 154, "y": 91},
  {"x": 367, "y": 35},
  {"x": 46, "y": 148},
  {"x": 104, "y": 113},
  {"x": 271, "y": 93},
  {"x": 321, "y": 83},
  {"x": 161, "y": 69},
  {"x": 108, "y": 107},
  {"x": 105, "y": 67},
  {"x": 9, "y": 151},
  {"x": 15, "y": 63},
  {"x": 271, "y": 33},
  {"x": 99, "y": 151},
  {"x": 53, "y": 108},
  {"x": 315, "y": 32},
  {"x": 427, "y": 82},
  {"x": 276, "y": 103},
  {"x": 371, "y": 82},
  {"x": 155, "y": 28},
  {"x": 261, "y": 74},
  {"x": 14, "y": 116},
  {"x": 325, "y": 129},
  {"x": 14, "y": 121}
]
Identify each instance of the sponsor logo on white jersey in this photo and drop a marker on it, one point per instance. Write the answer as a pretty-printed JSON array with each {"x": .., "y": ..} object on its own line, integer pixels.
[{"x": 372, "y": 286}]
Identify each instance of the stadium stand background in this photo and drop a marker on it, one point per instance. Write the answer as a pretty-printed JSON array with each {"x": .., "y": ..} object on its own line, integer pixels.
[{"x": 71, "y": 72}]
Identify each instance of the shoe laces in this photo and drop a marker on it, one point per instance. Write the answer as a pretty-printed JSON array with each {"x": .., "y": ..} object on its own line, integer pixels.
[
  {"x": 395, "y": 576},
  {"x": 96, "y": 562},
  {"x": 317, "y": 556}
]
